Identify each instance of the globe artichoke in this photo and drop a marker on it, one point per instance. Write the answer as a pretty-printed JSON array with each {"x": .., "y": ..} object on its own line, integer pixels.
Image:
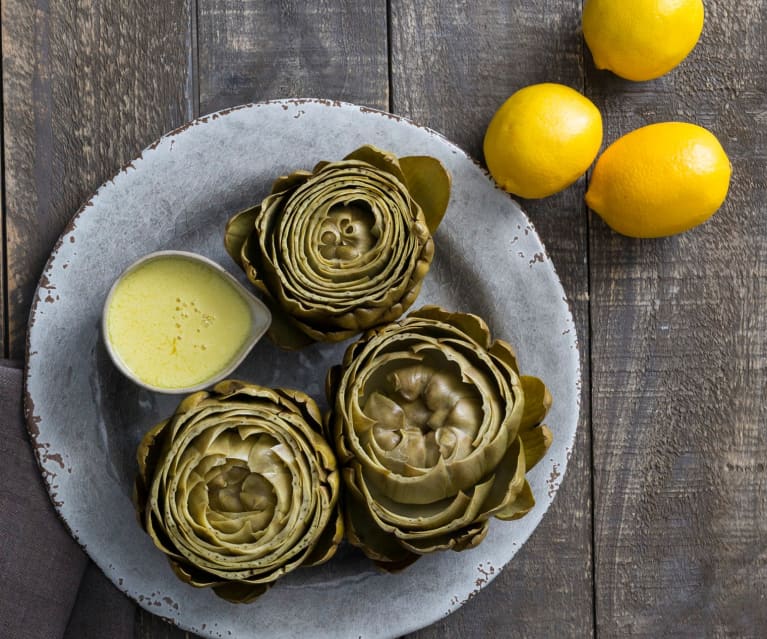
[
  {"x": 344, "y": 247},
  {"x": 434, "y": 428},
  {"x": 238, "y": 487}
]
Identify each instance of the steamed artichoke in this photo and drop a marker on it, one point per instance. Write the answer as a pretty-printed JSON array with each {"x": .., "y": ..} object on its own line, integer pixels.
[
  {"x": 434, "y": 428},
  {"x": 239, "y": 488},
  {"x": 344, "y": 247}
]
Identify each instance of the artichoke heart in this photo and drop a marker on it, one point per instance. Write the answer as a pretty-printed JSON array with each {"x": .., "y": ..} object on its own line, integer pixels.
[
  {"x": 239, "y": 487},
  {"x": 344, "y": 247},
  {"x": 434, "y": 429}
]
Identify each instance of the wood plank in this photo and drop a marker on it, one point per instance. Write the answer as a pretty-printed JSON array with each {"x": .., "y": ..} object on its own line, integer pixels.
[
  {"x": 453, "y": 65},
  {"x": 87, "y": 85},
  {"x": 259, "y": 50},
  {"x": 3, "y": 271},
  {"x": 679, "y": 368},
  {"x": 149, "y": 626}
]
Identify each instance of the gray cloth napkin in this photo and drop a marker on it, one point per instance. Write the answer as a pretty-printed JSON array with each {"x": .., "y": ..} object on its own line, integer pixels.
[{"x": 48, "y": 588}]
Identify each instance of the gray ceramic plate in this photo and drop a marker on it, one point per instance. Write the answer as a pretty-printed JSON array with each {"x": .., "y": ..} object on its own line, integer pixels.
[{"x": 86, "y": 418}]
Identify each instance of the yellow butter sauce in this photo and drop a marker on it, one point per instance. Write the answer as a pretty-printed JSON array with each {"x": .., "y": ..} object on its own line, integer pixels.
[{"x": 175, "y": 322}]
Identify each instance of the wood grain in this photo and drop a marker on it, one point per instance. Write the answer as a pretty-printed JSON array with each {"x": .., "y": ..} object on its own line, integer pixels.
[
  {"x": 259, "y": 50},
  {"x": 151, "y": 627},
  {"x": 678, "y": 366},
  {"x": 87, "y": 85},
  {"x": 3, "y": 269},
  {"x": 679, "y": 345},
  {"x": 453, "y": 65}
]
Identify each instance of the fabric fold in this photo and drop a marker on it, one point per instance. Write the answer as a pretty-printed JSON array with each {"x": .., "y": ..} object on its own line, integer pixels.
[{"x": 41, "y": 566}]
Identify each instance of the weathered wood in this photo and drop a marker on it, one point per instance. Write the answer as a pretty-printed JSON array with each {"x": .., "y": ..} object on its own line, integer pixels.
[
  {"x": 453, "y": 65},
  {"x": 151, "y": 627},
  {"x": 253, "y": 51},
  {"x": 86, "y": 86},
  {"x": 3, "y": 270},
  {"x": 261, "y": 50},
  {"x": 679, "y": 349}
]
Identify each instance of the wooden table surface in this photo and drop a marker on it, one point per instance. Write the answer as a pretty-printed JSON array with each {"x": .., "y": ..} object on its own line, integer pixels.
[{"x": 660, "y": 526}]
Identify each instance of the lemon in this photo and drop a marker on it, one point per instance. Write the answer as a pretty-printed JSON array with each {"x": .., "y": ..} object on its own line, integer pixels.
[
  {"x": 542, "y": 139},
  {"x": 641, "y": 39},
  {"x": 660, "y": 180}
]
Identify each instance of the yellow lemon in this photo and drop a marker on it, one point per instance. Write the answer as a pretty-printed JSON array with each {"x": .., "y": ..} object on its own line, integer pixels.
[
  {"x": 641, "y": 39},
  {"x": 542, "y": 139},
  {"x": 659, "y": 180}
]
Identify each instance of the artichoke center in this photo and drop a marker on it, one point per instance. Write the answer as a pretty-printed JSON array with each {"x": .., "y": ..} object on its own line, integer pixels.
[
  {"x": 347, "y": 231},
  {"x": 235, "y": 489},
  {"x": 423, "y": 413}
]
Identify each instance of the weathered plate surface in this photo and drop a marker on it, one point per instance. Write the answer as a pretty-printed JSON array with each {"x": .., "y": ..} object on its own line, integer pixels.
[{"x": 86, "y": 418}]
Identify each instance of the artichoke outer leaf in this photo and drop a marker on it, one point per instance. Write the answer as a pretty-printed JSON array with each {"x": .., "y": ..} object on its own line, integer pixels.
[
  {"x": 429, "y": 184},
  {"x": 537, "y": 401},
  {"x": 468, "y": 537},
  {"x": 458, "y": 513},
  {"x": 536, "y": 442},
  {"x": 397, "y": 566},
  {"x": 160, "y": 539},
  {"x": 283, "y": 331},
  {"x": 505, "y": 353},
  {"x": 362, "y": 532},
  {"x": 147, "y": 454},
  {"x": 470, "y": 324},
  {"x": 304, "y": 405},
  {"x": 238, "y": 229},
  {"x": 188, "y": 404},
  {"x": 522, "y": 505},
  {"x": 291, "y": 181},
  {"x": 328, "y": 543},
  {"x": 380, "y": 159},
  {"x": 240, "y": 592},
  {"x": 382, "y": 549},
  {"x": 192, "y": 576},
  {"x": 508, "y": 480},
  {"x": 332, "y": 380}
]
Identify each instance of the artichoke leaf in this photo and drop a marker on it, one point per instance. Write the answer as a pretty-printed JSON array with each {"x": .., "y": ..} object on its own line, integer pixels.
[
  {"x": 326, "y": 545},
  {"x": 508, "y": 480},
  {"x": 332, "y": 380},
  {"x": 522, "y": 505},
  {"x": 287, "y": 182},
  {"x": 407, "y": 521},
  {"x": 429, "y": 183},
  {"x": 147, "y": 455},
  {"x": 193, "y": 576},
  {"x": 397, "y": 566},
  {"x": 238, "y": 229},
  {"x": 305, "y": 404},
  {"x": 536, "y": 442},
  {"x": 504, "y": 352},
  {"x": 537, "y": 401},
  {"x": 362, "y": 531},
  {"x": 239, "y": 592},
  {"x": 283, "y": 330},
  {"x": 380, "y": 159},
  {"x": 468, "y": 537},
  {"x": 466, "y": 323}
]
